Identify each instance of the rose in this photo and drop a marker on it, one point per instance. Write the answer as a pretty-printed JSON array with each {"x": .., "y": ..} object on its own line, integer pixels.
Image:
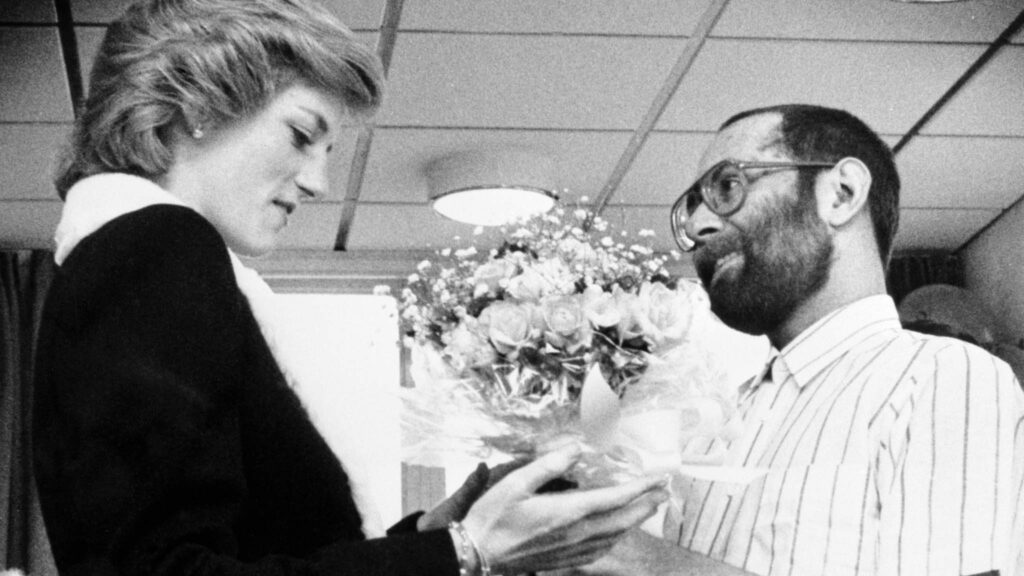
[
  {"x": 530, "y": 285},
  {"x": 557, "y": 274},
  {"x": 466, "y": 347},
  {"x": 600, "y": 307},
  {"x": 509, "y": 326},
  {"x": 630, "y": 312},
  {"x": 567, "y": 325},
  {"x": 663, "y": 314}
]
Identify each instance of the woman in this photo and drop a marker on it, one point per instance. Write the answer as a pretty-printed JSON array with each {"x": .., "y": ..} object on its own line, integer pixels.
[{"x": 168, "y": 438}]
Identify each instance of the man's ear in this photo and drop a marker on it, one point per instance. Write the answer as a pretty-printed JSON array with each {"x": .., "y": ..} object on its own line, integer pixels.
[{"x": 843, "y": 191}]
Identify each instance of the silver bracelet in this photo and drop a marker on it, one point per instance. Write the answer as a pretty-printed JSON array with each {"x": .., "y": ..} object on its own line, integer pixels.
[
  {"x": 463, "y": 548},
  {"x": 484, "y": 565}
]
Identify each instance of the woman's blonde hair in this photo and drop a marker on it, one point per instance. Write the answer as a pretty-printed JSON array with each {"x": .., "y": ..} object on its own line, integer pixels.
[{"x": 191, "y": 63}]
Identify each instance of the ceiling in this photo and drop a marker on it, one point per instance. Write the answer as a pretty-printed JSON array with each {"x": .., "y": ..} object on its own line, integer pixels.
[{"x": 622, "y": 96}]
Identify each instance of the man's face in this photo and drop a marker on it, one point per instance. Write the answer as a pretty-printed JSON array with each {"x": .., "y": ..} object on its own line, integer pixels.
[{"x": 759, "y": 264}]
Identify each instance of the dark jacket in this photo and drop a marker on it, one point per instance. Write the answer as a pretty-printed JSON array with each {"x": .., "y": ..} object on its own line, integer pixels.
[{"x": 166, "y": 439}]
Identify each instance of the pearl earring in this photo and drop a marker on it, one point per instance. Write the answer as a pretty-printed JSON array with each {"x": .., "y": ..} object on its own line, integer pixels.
[{"x": 197, "y": 132}]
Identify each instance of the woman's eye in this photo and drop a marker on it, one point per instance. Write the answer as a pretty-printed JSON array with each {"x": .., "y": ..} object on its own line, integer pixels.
[{"x": 300, "y": 138}]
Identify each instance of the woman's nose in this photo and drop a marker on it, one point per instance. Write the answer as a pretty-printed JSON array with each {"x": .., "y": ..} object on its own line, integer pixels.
[
  {"x": 313, "y": 180},
  {"x": 702, "y": 224}
]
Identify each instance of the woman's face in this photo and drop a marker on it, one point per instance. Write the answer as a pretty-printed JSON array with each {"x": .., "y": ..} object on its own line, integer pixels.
[{"x": 248, "y": 177}]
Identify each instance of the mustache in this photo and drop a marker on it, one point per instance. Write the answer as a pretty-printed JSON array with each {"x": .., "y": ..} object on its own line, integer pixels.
[{"x": 707, "y": 255}]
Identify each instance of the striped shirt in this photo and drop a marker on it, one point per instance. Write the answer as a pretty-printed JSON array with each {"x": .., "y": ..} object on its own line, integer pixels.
[{"x": 889, "y": 452}]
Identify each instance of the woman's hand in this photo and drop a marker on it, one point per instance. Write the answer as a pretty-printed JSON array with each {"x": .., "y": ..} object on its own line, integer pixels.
[
  {"x": 456, "y": 506},
  {"x": 518, "y": 530}
]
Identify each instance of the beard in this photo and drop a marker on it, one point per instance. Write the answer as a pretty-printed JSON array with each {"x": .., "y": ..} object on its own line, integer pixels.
[{"x": 785, "y": 259}]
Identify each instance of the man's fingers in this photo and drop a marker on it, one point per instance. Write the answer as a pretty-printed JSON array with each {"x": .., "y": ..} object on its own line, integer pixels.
[
  {"x": 548, "y": 467},
  {"x": 587, "y": 502}
]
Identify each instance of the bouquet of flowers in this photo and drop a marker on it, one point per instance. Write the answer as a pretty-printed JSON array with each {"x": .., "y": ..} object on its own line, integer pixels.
[{"x": 503, "y": 341}]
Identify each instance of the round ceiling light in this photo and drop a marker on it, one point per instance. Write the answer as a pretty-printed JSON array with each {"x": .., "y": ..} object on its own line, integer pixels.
[{"x": 491, "y": 188}]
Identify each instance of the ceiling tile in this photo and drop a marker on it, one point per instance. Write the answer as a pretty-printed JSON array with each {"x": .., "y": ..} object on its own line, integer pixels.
[
  {"x": 976, "y": 21},
  {"x": 28, "y": 154},
  {"x": 889, "y": 86},
  {"x": 313, "y": 225},
  {"x": 961, "y": 172},
  {"x": 28, "y": 11},
  {"x": 652, "y": 17},
  {"x": 29, "y": 224},
  {"x": 396, "y": 168},
  {"x": 359, "y": 14},
  {"x": 89, "y": 39},
  {"x": 97, "y": 11},
  {"x": 32, "y": 74},
  {"x": 939, "y": 229},
  {"x": 665, "y": 166},
  {"x": 992, "y": 102},
  {"x": 356, "y": 14},
  {"x": 524, "y": 81}
]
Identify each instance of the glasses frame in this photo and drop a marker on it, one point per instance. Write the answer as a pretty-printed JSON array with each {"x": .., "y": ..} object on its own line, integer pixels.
[{"x": 678, "y": 216}]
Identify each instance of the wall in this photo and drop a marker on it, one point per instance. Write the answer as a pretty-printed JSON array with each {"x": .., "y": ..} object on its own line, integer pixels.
[{"x": 994, "y": 269}]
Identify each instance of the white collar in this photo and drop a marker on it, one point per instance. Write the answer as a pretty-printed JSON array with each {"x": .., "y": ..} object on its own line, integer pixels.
[{"x": 98, "y": 199}]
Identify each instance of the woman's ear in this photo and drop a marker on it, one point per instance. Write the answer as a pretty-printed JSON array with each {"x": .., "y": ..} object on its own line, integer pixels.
[{"x": 843, "y": 191}]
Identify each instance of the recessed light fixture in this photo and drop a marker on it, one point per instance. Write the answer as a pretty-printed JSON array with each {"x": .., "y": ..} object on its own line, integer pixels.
[{"x": 491, "y": 188}]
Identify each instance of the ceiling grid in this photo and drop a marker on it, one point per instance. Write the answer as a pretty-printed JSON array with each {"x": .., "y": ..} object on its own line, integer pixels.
[{"x": 622, "y": 97}]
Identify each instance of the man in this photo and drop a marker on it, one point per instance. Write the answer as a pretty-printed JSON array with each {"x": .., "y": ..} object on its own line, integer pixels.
[{"x": 888, "y": 451}]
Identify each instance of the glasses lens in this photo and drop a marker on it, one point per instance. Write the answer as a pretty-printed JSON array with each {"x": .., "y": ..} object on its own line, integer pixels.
[
  {"x": 725, "y": 187},
  {"x": 681, "y": 212}
]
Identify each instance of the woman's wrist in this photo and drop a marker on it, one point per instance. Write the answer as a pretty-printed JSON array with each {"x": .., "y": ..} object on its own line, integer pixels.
[{"x": 472, "y": 561}]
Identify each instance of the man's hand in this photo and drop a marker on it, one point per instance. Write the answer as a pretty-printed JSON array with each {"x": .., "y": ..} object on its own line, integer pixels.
[{"x": 641, "y": 554}]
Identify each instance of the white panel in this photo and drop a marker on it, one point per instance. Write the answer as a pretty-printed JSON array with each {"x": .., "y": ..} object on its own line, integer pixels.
[
  {"x": 28, "y": 223},
  {"x": 346, "y": 353},
  {"x": 889, "y": 86},
  {"x": 651, "y": 17},
  {"x": 28, "y": 154},
  {"x": 312, "y": 226},
  {"x": 32, "y": 76},
  {"x": 34, "y": 11},
  {"x": 961, "y": 172},
  {"x": 938, "y": 229},
  {"x": 990, "y": 103},
  {"x": 544, "y": 82},
  {"x": 975, "y": 21},
  {"x": 666, "y": 165},
  {"x": 395, "y": 172}
]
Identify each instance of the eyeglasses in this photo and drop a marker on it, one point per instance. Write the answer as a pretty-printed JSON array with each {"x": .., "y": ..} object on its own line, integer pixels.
[{"x": 723, "y": 189}]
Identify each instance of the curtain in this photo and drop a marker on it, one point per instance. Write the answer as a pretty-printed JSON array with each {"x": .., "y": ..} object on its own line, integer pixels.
[
  {"x": 24, "y": 279},
  {"x": 908, "y": 272}
]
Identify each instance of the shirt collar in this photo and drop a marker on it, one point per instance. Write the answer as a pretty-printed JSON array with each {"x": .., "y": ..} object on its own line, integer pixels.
[{"x": 837, "y": 333}]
